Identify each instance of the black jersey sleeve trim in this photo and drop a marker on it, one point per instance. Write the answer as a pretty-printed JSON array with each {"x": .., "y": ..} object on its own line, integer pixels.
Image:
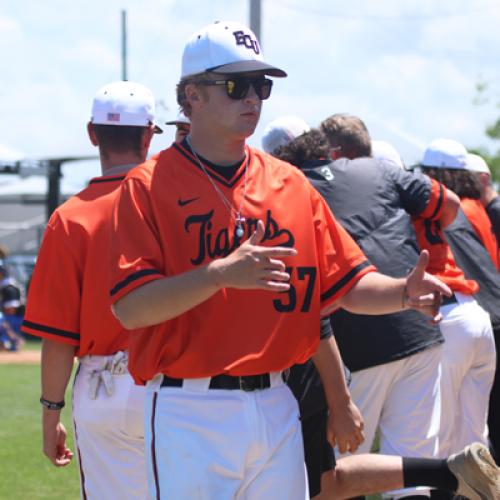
[
  {"x": 50, "y": 329},
  {"x": 439, "y": 202},
  {"x": 344, "y": 281},
  {"x": 131, "y": 278},
  {"x": 107, "y": 179}
]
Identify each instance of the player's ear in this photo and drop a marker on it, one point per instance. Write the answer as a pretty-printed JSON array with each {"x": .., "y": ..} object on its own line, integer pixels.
[
  {"x": 92, "y": 136},
  {"x": 147, "y": 136}
]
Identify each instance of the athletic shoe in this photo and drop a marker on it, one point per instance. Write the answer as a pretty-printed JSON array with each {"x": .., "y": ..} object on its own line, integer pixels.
[{"x": 477, "y": 473}]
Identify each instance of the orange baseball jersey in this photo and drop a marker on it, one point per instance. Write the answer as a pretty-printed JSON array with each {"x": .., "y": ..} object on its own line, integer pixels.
[
  {"x": 477, "y": 216},
  {"x": 430, "y": 237},
  {"x": 170, "y": 219},
  {"x": 68, "y": 298}
]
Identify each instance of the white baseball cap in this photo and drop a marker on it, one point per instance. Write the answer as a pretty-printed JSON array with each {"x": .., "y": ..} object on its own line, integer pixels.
[
  {"x": 225, "y": 47},
  {"x": 181, "y": 119},
  {"x": 382, "y": 150},
  {"x": 125, "y": 104},
  {"x": 282, "y": 131},
  {"x": 445, "y": 153},
  {"x": 476, "y": 163}
]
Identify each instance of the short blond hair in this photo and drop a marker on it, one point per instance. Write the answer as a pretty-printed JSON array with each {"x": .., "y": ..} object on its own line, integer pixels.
[{"x": 182, "y": 100}]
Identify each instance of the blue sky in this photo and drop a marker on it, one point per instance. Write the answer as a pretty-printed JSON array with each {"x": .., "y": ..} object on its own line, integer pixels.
[{"x": 408, "y": 68}]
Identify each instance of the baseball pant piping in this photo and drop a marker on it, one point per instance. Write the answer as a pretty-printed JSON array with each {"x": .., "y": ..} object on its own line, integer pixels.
[{"x": 153, "y": 448}]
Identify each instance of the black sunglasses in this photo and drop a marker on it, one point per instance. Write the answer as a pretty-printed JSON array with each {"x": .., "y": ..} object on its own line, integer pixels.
[{"x": 238, "y": 87}]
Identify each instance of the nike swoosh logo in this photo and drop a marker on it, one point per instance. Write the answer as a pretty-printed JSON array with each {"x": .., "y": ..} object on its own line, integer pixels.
[{"x": 183, "y": 203}]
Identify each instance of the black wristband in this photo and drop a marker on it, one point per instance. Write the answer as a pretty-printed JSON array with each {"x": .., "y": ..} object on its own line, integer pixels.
[{"x": 51, "y": 405}]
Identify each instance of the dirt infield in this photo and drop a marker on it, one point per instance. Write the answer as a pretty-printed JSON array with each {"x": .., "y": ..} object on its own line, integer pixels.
[{"x": 21, "y": 357}]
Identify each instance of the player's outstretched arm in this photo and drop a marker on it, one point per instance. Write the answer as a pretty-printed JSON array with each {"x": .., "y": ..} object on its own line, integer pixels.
[
  {"x": 345, "y": 423},
  {"x": 377, "y": 293},
  {"x": 250, "y": 266},
  {"x": 57, "y": 364}
]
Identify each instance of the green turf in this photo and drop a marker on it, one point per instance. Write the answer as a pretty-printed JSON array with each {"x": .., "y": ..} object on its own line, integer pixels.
[
  {"x": 25, "y": 473},
  {"x": 33, "y": 345}
]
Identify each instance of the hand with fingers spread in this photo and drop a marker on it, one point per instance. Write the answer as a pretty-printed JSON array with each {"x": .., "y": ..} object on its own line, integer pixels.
[
  {"x": 54, "y": 439},
  {"x": 252, "y": 266},
  {"x": 345, "y": 427},
  {"x": 423, "y": 291}
]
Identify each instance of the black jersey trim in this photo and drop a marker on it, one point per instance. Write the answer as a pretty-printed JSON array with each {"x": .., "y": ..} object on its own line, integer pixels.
[
  {"x": 132, "y": 277},
  {"x": 50, "y": 329},
  {"x": 439, "y": 202},
  {"x": 344, "y": 281},
  {"x": 210, "y": 172},
  {"x": 153, "y": 448},
  {"x": 109, "y": 179}
]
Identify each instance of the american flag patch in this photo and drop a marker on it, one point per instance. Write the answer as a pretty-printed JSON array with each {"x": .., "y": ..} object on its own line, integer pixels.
[{"x": 113, "y": 117}]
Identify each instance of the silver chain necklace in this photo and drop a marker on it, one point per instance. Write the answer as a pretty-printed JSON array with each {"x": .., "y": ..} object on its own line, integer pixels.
[{"x": 236, "y": 214}]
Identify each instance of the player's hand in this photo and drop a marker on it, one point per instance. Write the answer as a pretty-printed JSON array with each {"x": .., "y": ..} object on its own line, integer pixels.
[
  {"x": 345, "y": 427},
  {"x": 424, "y": 290},
  {"x": 54, "y": 439},
  {"x": 252, "y": 266}
]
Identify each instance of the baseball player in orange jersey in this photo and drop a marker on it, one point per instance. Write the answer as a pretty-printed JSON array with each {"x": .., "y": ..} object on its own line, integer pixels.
[
  {"x": 68, "y": 307},
  {"x": 225, "y": 258},
  {"x": 491, "y": 203},
  {"x": 468, "y": 364}
]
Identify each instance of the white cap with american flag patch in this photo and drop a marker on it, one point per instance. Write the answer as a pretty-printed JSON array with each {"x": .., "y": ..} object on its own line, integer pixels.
[{"x": 124, "y": 103}]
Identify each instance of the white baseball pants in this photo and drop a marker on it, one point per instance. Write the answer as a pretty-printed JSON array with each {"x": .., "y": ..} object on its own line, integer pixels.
[
  {"x": 468, "y": 370},
  {"x": 221, "y": 444},
  {"x": 108, "y": 416},
  {"x": 402, "y": 400}
]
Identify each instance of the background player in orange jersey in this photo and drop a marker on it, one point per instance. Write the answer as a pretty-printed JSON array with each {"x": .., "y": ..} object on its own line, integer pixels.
[
  {"x": 467, "y": 237},
  {"x": 230, "y": 257},
  {"x": 468, "y": 364},
  {"x": 68, "y": 307},
  {"x": 480, "y": 270}
]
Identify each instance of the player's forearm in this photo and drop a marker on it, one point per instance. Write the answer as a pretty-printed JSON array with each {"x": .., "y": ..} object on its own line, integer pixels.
[
  {"x": 331, "y": 371},
  {"x": 57, "y": 364},
  {"x": 167, "y": 298},
  {"x": 375, "y": 294}
]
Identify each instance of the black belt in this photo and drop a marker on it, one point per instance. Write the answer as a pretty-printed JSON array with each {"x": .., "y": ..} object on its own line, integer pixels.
[
  {"x": 446, "y": 301},
  {"x": 244, "y": 383}
]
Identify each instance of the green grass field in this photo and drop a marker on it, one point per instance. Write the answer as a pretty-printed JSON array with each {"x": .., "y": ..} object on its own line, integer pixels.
[{"x": 25, "y": 473}]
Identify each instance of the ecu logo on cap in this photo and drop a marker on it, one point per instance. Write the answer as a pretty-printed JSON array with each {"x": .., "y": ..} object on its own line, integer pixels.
[{"x": 245, "y": 39}]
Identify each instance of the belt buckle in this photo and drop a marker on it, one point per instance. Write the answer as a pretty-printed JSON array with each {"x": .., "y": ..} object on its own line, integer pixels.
[
  {"x": 244, "y": 386},
  {"x": 249, "y": 384}
]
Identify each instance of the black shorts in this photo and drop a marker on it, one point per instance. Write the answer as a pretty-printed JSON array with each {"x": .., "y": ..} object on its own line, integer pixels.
[{"x": 318, "y": 453}]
